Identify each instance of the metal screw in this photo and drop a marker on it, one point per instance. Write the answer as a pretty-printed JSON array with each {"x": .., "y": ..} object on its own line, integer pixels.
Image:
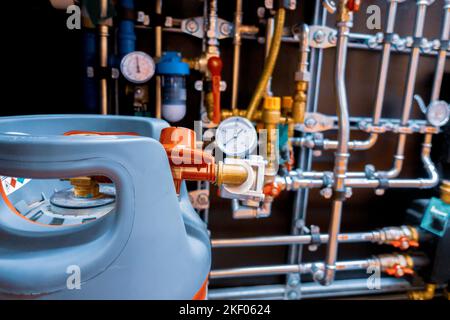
[
  {"x": 225, "y": 28},
  {"x": 332, "y": 38},
  {"x": 318, "y": 275},
  {"x": 348, "y": 192},
  {"x": 379, "y": 192},
  {"x": 319, "y": 36},
  {"x": 294, "y": 281},
  {"x": 310, "y": 122},
  {"x": 192, "y": 26},
  {"x": 292, "y": 295},
  {"x": 326, "y": 193}
]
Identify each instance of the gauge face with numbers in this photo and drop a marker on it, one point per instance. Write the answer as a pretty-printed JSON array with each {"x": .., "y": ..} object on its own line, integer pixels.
[
  {"x": 438, "y": 113},
  {"x": 236, "y": 137},
  {"x": 137, "y": 67}
]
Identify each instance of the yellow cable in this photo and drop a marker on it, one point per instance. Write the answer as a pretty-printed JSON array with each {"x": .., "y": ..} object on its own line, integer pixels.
[{"x": 269, "y": 65}]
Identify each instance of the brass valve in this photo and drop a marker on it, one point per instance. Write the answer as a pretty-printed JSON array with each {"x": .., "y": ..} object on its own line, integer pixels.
[
  {"x": 271, "y": 116},
  {"x": 397, "y": 265},
  {"x": 85, "y": 187}
]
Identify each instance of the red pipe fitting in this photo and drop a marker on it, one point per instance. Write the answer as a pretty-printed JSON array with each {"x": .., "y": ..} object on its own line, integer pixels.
[
  {"x": 186, "y": 161},
  {"x": 215, "y": 68},
  {"x": 353, "y": 5}
]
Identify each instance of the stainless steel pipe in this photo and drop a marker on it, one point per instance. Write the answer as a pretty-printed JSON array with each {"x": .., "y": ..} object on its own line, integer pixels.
[
  {"x": 381, "y": 86},
  {"x": 308, "y": 290},
  {"x": 341, "y": 156},
  {"x": 293, "y": 239},
  {"x": 409, "y": 88},
  {"x": 442, "y": 54}
]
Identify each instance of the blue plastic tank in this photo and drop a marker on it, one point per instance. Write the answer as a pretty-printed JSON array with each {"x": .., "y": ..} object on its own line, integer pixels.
[{"x": 150, "y": 244}]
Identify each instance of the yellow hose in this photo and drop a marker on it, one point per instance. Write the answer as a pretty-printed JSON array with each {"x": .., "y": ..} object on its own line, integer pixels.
[{"x": 269, "y": 65}]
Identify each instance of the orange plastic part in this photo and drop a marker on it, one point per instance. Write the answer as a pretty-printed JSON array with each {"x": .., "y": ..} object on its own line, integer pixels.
[
  {"x": 400, "y": 243},
  {"x": 215, "y": 67},
  {"x": 354, "y": 5},
  {"x": 398, "y": 271},
  {"x": 202, "y": 293},
  {"x": 186, "y": 161},
  {"x": 272, "y": 189}
]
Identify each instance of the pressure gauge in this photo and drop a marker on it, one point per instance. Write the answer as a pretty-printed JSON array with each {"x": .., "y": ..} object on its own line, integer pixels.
[
  {"x": 438, "y": 113},
  {"x": 236, "y": 137},
  {"x": 137, "y": 67}
]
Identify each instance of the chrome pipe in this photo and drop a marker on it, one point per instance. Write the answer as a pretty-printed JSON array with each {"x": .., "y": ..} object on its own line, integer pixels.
[
  {"x": 290, "y": 240},
  {"x": 409, "y": 89},
  {"x": 309, "y": 290},
  {"x": 442, "y": 55},
  {"x": 236, "y": 53},
  {"x": 270, "y": 29},
  {"x": 284, "y": 269},
  {"x": 382, "y": 79},
  {"x": 305, "y": 157},
  {"x": 341, "y": 156}
]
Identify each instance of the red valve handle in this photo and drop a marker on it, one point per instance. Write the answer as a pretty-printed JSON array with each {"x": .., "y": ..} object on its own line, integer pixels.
[
  {"x": 215, "y": 67},
  {"x": 353, "y": 5},
  {"x": 398, "y": 271}
]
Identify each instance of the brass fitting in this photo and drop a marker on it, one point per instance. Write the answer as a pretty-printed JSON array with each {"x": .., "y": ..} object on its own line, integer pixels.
[
  {"x": 271, "y": 117},
  {"x": 445, "y": 191},
  {"x": 427, "y": 294},
  {"x": 230, "y": 174},
  {"x": 85, "y": 187},
  {"x": 299, "y": 105},
  {"x": 239, "y": 113}
]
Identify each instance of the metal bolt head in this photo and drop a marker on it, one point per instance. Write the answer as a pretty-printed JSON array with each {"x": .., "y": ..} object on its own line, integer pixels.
[
  {"x": 332, "y": 38},
  {"x": 310, "y": 122},
  {"x": 192, "y": 26},
  {"x": 292, "y": 295},
  {"x": 379, "y": 192},
  {"x": 326, "y": 193},
  {"x": 318, "y": 275},
  {"x": 348, "y": 192},
  {"x": 319, "y": 36},
  {"x": 225, "y": 28},
  {"x": 317, "y": 153},
  {"x": 294, "y": 281}
]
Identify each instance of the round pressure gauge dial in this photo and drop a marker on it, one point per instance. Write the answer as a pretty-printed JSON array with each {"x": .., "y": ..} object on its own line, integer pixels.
[
  {"x": 438, "y": 113},
  {"x": 236, "y": 137},
  {"x": 137, "y": 67}
]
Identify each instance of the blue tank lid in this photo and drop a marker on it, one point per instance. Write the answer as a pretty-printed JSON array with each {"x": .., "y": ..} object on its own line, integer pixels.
[{"x": 170, "y": 63}]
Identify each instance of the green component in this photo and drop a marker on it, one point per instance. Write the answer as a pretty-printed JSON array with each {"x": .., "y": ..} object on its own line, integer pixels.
[
  {"x": 282, "y": 140},
  {"x": 436, "y": 217},
  {"x": 283, "y": 135}
]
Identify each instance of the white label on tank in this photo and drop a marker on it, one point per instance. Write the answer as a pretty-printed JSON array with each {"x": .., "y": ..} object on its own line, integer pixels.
[{"x": 11, "y": 184}]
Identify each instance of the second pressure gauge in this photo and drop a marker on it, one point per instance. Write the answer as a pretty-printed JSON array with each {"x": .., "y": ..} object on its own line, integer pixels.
[
  {"x": 438, "y": 113},
  {"x": 137, "y": 67},
  {"x": 236, "y": 137}
]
